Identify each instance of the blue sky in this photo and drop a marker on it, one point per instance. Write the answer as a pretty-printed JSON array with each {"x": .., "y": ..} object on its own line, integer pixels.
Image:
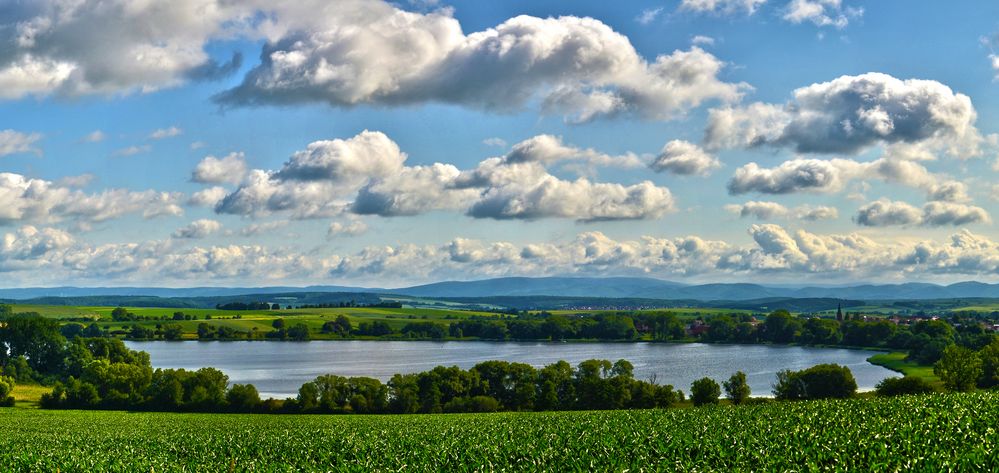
[{"x": 384, "y": 144}]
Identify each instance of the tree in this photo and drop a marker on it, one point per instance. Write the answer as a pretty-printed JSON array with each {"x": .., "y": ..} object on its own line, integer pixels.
[
  {"x": 721, "y": 328},
  {"x": 959, "y": 368},
  {"x": 119, "y": 314},
  {"x": 818, "y": 382},
  {"x": 278, "y": 324},
  {"x": 242, "y": 398},
  {"x": 299, "y": 332},
  {"x": 704, "y": 391},
  {"x": 900, "y": 386},
  {"x": 36, "y": 338},
  {"x": 990, "y": 365},
  {"x": 821, "y": 332},
  {"x": 72, "y": 330},
  {"x": 173, "y": 331},
  {"x": 781, "y": 327},
  {"x": 736, "y": 388},
  {"x": 341, "y": 326},
  {"x": 6, "y": 388}
]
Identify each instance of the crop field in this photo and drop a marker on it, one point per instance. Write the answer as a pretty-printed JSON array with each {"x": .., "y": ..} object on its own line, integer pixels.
[
  {"x": 955, "y": 432},
  {"x": 249, "y": 320}
]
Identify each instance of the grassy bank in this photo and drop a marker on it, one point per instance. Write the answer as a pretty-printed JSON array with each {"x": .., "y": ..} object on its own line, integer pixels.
[
  {"x": 896, "y": 361},
  {"x": 931, "y": 433}
]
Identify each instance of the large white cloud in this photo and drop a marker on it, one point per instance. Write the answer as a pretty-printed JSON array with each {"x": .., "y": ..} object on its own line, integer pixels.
[
  {"x": 579, "y": 199},
  {"x": 369, "y": 154},
  {"x": 549, "y": 149},
  {"x": 316, "y": 182},
  {"x": 413, "y": 190},
  {"x": 886, "y": 212},
  {"x": 798, "y": 175},
  {"x": 852, "y": 113},
  {"x": 827, "y": 176},
  {"x": 110, "y": 46},
  {"x": 367, "y": 174},
  {"x": 24, "y": 199},
  {"x": 30, "y": 248},
  {"x": 375, "y": 53}
]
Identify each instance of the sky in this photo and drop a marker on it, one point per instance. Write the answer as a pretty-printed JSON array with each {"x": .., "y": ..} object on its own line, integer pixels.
[{"x": 366, "y": 143}]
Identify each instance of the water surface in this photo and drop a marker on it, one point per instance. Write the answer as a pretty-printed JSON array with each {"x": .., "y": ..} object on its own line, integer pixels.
[{"x": 277, "y": 369}]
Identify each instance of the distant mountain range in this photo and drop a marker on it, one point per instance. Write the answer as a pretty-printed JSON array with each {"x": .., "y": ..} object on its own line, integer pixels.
[{"x": 615, "y": 287}]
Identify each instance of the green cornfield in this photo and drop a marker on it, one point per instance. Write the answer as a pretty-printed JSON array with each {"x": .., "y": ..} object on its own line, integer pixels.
[{"x": 954, "y": 432}]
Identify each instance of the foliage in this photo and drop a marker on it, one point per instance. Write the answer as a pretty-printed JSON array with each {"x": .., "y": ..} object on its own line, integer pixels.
[
  {"x": 704, "y": 391},
  {"x": 818, "y": 382},
  {"x": 736, "y": 388},
  {"x": 990, "y": 365},
  {"x": 781, "y": 327},
  {"x": 34, "y": 337},
  {"x": 901, "y": 386},
  {"x": 6, "y": 388},
  {"x": 959, "y": 368}
]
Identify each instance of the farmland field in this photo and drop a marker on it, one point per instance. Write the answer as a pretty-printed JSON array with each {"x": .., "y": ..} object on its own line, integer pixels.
[
  {"x": 250, "y": 319},
  {"x": 931, "y": 433},
  {"x": 261, "y": 320}
]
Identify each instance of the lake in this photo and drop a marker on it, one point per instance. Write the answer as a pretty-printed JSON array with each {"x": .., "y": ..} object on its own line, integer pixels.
[{"x": 277, "y": 369}]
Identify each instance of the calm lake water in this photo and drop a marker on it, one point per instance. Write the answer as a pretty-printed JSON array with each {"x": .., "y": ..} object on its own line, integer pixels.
[{"x": 277, "y": 369}]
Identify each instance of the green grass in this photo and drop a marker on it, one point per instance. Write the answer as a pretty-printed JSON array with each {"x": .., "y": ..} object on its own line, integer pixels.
[
  {"x": 28, "y": 395},
  {"x": 260, "y": 320},
  {"x": 896, "y": 362},
  {"x": 955, "y": 432}
]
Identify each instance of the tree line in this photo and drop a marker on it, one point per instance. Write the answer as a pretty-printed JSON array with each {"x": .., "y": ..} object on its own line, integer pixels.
[{"x": 102, "y": 373}]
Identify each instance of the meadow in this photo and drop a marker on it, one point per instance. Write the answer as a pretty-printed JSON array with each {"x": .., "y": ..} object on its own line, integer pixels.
[
  {"x": 249, "y": 320},
  {"x": 262, "y": 320},
  {"x": 922, "y": 433}
]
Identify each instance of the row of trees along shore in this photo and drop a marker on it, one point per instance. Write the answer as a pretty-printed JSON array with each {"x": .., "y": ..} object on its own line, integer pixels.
[
  {"x": 100, "y": 372},
  {"x": 924, "y": 339}
]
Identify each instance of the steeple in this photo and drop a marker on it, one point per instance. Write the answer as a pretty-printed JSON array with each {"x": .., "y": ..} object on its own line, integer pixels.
[{"x": 839, "y": 312}]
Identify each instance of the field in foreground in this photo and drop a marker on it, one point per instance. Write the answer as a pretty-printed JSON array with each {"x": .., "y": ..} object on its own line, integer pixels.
[{"x": 930, "y": 433}]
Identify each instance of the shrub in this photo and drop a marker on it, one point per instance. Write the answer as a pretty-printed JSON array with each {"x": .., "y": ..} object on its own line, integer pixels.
[
  {"x": 818, "y": 382},
  {"x": 6, "y": 387},
  {"x": 901, "y": 386}
]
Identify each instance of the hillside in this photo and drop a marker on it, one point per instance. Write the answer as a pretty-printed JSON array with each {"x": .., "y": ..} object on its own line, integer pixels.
[{"x": 609, "y": 287}]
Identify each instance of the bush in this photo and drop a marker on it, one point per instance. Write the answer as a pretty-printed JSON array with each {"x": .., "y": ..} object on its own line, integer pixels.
[
  {"x": 6, "y": 387},
  {"x": 705, "y": 391},
  {"x": 818, "y": 382},
  {"x": 902, "y": 386}
]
